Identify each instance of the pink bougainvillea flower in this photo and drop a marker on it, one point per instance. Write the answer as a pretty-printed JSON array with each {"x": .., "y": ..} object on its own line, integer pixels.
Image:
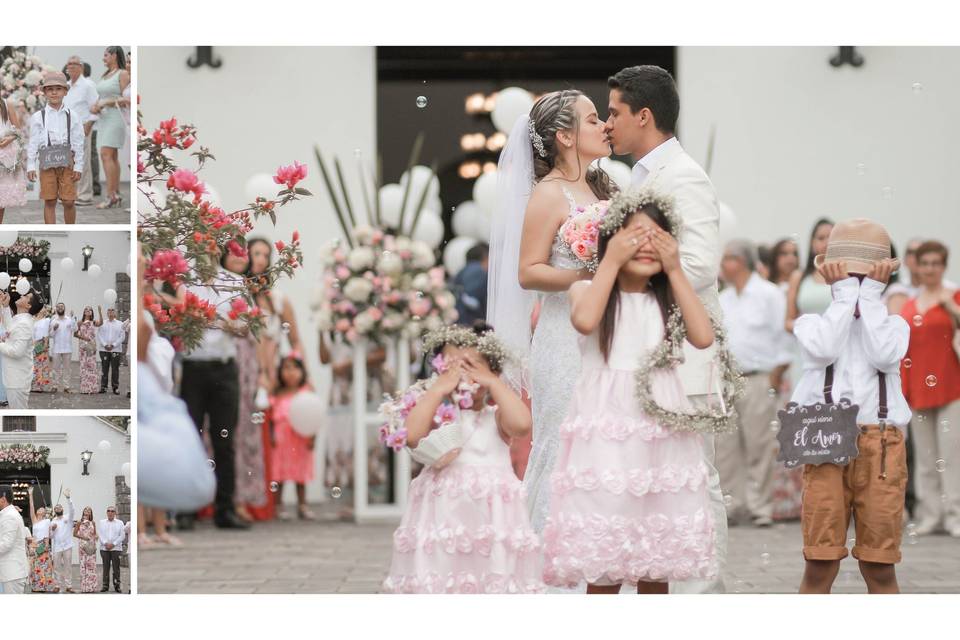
[
  {"x": 291, "y": 175},
  {"x": 167, "y": 265},
  {"x": 186, "y": 181},
  {"x": 234, "y": 248},
  {"x": 279, "y": 245}
]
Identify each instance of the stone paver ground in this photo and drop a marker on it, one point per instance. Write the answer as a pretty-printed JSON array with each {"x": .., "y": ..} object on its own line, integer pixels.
[
  {"x": 76, "y": 400},
  {"x": 32, "y": 213},
  {"x": 124, "y": 583},
  {"x": 330, "y": 556}
]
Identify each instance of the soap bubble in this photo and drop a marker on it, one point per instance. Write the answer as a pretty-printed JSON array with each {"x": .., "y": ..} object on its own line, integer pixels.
[
  {"x": 774, "y": 426},
  {"x": 941, "y": 465},
  {"x": 421, "y": 101},
  {"x": 727, "y": 499},
  {"x": 274, "y": 487},
  {"x": 931, "y": 380},
  {"x": 224, "y": 433},
  {"x": 336, "y": 492},
  {"x": 907, "y": 363},
  {"x": 916, "y": 87},
  {"x": 861, "y": 169},
  {"x": 765, "y": 558},
  {"x": 945, "y": 426},
  {"x": 285, "y": 327},
  {"x": 256, "y": 417},
  {"x": 213, "y": 465},
  {"x": 772, "y": 392},
  {"x": 917, "y": 320},
  {"x": 886, "y": 193}
]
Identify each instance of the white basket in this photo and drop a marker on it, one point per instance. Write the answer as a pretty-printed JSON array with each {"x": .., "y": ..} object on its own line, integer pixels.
[{"x": 440, "y": 446}]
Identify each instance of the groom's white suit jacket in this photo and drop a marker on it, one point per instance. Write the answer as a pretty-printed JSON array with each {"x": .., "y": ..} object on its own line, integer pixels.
[
  {"x": 17, "y": 350},
  {"x": 13, "y": 545},
  {"x": 670, "y": 170}
]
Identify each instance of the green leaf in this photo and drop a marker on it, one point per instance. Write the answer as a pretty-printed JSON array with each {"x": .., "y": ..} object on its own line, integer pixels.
[{"x": 303, "y": 192}]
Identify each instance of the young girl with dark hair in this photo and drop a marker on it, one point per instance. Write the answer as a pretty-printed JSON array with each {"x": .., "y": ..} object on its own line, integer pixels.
[{"x": 292, "y": 459}]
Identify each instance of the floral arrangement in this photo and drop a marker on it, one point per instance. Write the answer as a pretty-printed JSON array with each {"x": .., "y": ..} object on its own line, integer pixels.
[
  {"x": 488, "y": 344},
  {"x": 20, "y": 78},
  {"x": 27, "y": 248},
  {"x": 669, "y": 354},
  {"x": 183, "y": 235},
  {"x": 580, "y": 234},
  {"x": 23, "y": 455},
  {"x": 627, "y": 202}
]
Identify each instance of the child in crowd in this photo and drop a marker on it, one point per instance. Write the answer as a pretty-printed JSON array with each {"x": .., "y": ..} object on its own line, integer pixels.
[{"x": 292, "y": 453}]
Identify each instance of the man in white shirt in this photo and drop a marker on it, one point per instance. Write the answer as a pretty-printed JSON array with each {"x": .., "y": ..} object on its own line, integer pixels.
[
  {"x": 19, "y": 314},
  {"x": 643, "y": 110},
  {"x": 110, "y": 337},
  {"x": 13, "y": 545},
  {"x": 753, "y": 315},
  {"x": 111, "y": 533},
  {"x": 61, "y": 532},
  {"x": 56, "y": 125},
  {"x": 62, "y": 328},
  {"x": 81, "y": 96}
]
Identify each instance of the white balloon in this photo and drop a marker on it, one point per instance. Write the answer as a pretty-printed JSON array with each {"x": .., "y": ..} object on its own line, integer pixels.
[
  {"x": 109, "y": 296},
  {"x": 620, "y": 173},
  {"x": 127, "y": 270},
  {"x": 8, "y": 237},
  {"x": 434, "y": 204},
  {"x": 213, "y": 196},
  {"x": 512, "y": 103},
  {"x": 455, "y": 254},
  {"x": 728, "y": 223},
  {"x": 464, "y": 216},
  {"x": 485, "y": 192},
  {"x": 481, "y": 228},
  {"x": 261, "y": 185},
  {"x": 23, "y": 286},
  {"x": 94, "y": 271},
  {"x": 391, "y": 198},
  {"x": 104, "y": 446},
  {"x": 67, "y": 264},
  {"x": 422, "y": 176},
  {"x": 125, "y": 472},
  {"x": 307, "y": 412},
  {"x": 4, "y": 280},
  {"x": 429, "y": 229},
  {"x": 25, "y": 265}
]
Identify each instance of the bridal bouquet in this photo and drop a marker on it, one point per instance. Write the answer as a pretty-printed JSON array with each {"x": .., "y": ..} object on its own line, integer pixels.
[
  {"x": 580, "y": 234},
  {"x": 183, "y": 235},
  {"x": 20, "y": 77}
]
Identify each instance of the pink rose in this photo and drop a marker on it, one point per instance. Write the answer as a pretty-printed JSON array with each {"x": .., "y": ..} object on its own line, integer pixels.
[
  {"x": 420, "y": 306},
  {"x": 343, "y": 273},
  {"x": 342, "y": 325}
]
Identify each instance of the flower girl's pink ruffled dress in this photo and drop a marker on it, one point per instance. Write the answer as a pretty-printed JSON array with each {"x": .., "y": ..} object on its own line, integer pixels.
[
  {"x": 629, "y": 497},
  {"x": 466, "y": 527}
]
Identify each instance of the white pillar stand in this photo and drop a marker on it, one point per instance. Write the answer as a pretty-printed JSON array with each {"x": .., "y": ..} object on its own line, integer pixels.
[{"x": 363, "y": 511}]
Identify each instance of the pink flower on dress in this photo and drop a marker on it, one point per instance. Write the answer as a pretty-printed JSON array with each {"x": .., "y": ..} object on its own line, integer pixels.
[
  {"x": 445, "y": 413},
  {"x": 438, "y": 363}
]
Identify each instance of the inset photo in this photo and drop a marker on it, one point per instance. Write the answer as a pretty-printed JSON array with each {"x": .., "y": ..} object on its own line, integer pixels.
[
  {"x": 64, "y": 320},
  {"x": 65, "y": 504},
  {"x": 65, "y": 135}
]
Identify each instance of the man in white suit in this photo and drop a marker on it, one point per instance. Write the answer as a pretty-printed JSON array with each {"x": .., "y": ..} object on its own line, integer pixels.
[
  {"x": 19, "y": 313},
  {"x": 643, "y": 110},
  {"x": 13, "y": 545}
]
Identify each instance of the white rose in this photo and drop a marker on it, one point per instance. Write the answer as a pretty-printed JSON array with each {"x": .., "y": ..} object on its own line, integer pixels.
[
  {"x": 364, "y": 233},
  {"x": 325, "y": 319},
  {"x": 360, "y": 258},
  {"x": 413, "y": 329},
  {"x": 433, "y": 323},
  {"x": 358, "y": 289},
  {"x": 31, "y": 101},
  {"x": 326, "y": 255},
  {"x": 392, "y": 320},
  {"x": 423, "y": 257},
  {"x": 363, "y": 323},
  {"x": 402, "y": 243},
  {"x": 446, "y": 300},
  {"x": 32, "y": 78},
  {"x": 421, "y": 282},
  {"x": 390, "y": 264}
]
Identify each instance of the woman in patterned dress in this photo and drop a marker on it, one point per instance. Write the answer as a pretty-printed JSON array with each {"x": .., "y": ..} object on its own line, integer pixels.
[
  {"x": 42, "y": 367},
  {"x": 87, "y": 334},
  {"x": 86, "y": 531},
  {"x": 41, "y": 573}
]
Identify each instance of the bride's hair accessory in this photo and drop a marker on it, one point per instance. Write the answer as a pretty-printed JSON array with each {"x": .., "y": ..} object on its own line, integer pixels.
[
  {"x": 487, "y": 343},
  {"x": 626, "y": 203},
  {"x": 536, "y": 139}
]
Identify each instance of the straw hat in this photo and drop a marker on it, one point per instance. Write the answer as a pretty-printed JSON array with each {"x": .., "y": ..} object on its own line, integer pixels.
[
  {"x": 858, "y": 242},
  {"x": 54, "y": 79}
]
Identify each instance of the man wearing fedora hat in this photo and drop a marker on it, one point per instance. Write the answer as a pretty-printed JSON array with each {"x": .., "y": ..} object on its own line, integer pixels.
[
  {"x": 55, "y": 152},
  {"x": 853, "y": 352}
]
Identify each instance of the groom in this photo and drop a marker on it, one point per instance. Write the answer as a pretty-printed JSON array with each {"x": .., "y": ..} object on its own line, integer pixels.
[{"x": 642, "y": 122}]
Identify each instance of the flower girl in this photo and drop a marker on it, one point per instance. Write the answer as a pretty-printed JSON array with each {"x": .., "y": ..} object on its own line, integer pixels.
[
  {"x": 466, "y": 528},
  {"x": 629, "y": 500}
]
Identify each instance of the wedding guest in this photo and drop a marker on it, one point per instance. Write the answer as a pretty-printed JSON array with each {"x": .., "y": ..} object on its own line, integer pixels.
[
  {"x": 931, "y": 384},
  {"x": 13, "y": 178},
  {"x": 764, "y": 261},
  {"x": 470, "y": 286},
  {"x": 282, "y": 331},
  {"x": 41, "y": 572},
  {"x": 13, "y": 544},
  {"x": 111, "y": 533},
  {"x": 902, "y": 290},
  {"x": 293, "y": 455},
  {"x": 62, "y": 329},
  {"x": 111, "y": 131},
  {"x": 110, "y": 336},
  {"x": 61, "y": 535},
  {"x": 55, "y": 124},
  {"x": 807, "y": 292},
  {"x": 784, "y": 261},
  {"x": 86, "y": 531},
  {"x": 19, "y": 314},
  {"x": 42, "y": 367},
  {"x": 753, "y": 312},
  {"x": 86, "y": 333},
  {"x": 79, "y": 99}
]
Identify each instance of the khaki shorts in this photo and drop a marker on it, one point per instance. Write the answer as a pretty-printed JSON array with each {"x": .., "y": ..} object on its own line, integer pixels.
[
  {"x": 58, "y": 183},
  {"x": 831, "y": 494}
]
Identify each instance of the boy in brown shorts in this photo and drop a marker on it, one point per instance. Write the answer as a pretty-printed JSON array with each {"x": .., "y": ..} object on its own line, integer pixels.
[
  {"x": 857, "y": 342},
  {"x": 56, "y": 149}
]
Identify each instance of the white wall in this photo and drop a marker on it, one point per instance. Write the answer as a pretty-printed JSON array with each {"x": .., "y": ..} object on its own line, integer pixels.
[
  {"x": 791, "y": 130},
  {"x": 57, "y": 57}
]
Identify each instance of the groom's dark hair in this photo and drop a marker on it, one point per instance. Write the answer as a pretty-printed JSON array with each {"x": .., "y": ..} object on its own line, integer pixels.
[{"x": 652, "y": 87}]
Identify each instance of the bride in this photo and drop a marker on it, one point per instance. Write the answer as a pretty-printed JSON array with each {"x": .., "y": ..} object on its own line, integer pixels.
[{"x": 544, "y": 176}]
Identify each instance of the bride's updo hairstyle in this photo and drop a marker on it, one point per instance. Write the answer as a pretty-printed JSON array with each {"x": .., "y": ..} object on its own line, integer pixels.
[{"x": 553, "y": 112}]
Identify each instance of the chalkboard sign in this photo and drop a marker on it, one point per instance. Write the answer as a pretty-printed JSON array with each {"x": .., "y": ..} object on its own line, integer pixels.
[
  {"x": 818, "y": 433},
  {"x": 55, "y": 156}
]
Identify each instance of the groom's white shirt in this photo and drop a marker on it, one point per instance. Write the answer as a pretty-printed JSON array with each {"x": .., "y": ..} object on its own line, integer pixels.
[
  {"x": 17, "y": 350},
  {"x": 671, "y": 171},
  {"x": 13, "y": 546}
]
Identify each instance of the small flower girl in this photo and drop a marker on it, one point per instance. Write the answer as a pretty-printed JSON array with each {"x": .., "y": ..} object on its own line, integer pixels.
[
  {"x": 629, "y": 500},
  {"x": 466, "y": 528}
]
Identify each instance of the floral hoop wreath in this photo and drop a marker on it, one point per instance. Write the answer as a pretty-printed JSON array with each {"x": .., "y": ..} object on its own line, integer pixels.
[
  {"x": 668, "y": 355},
  {"x": 627, "y": 202},
  {"x": 488, "y": 344}
]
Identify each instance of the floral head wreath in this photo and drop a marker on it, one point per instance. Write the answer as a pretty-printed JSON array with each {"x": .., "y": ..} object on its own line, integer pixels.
[
  {"x": 627, "y": 202},
  {"x": 488, "y": 344},
  {"x": 536, "y": 139}
]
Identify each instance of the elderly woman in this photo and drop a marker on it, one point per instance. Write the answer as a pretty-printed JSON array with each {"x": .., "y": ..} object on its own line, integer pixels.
[{"x": 931, "y": 384}]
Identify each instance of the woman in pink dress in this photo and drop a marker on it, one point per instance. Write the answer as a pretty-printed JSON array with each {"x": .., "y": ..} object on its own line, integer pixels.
[
  {"x": 292, "y": 455},
  {"x": 86, "y": 531},
  {"x": 87, "y": 334}
]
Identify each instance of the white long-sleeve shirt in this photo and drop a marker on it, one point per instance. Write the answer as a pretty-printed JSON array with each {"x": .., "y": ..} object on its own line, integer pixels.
[
  {"x": 111, "y": 333},
  {"x": 62, "y": 536},
  {"x": 56, "y": 127},
  {"x": 753, "y": 319},
  {"x": 111, "y": 531},
  {"x": 857, "y": 348},
  {"x": 81, "y": 96},
  {"x": 61, "y": 334}
]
